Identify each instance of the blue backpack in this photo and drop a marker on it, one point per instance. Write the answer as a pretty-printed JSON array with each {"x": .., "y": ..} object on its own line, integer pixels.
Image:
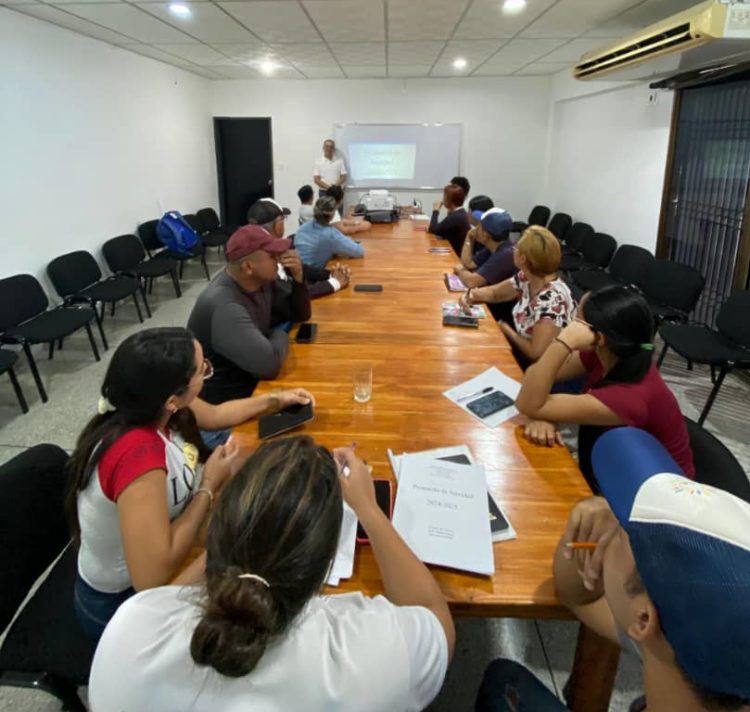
[{"x": 175, "y": 233}]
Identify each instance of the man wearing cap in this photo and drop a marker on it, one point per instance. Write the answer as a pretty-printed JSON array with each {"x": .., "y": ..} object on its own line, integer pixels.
[
  {"x": 494, "y": 262},
  {"x": 329, "y": 170},
  {"x": 669, "y": 576},
  {"x": 239, "y": 318},
  {"x": 318, "y": 241}
]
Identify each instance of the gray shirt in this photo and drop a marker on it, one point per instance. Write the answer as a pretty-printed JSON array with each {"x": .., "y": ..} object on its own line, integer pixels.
[{"x": 241, "y": 332}]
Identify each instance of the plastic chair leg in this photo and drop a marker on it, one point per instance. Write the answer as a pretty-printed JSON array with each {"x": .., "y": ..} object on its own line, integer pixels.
[
  {"x": 35, "y": 372},
  {"x": 17, "y": 388}
]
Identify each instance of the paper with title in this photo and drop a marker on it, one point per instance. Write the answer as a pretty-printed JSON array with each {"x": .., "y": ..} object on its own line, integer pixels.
[{"x": 441, "y": 513}]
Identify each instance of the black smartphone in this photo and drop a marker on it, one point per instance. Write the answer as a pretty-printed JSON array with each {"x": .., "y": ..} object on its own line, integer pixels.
[
  {"x": 368, "y": 287},
  {"x": 291, "y": 417},
  {"x": 459, "y": 320},
  {"x": 489, "y": 404},
  {"x": 306, "y": 333},
  {"x": 384, "y": 499}
]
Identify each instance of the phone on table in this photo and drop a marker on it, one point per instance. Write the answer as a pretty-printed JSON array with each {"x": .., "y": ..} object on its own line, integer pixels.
[
  {"x": 306, "y": 333},
  {"x": 461, "y": 320},
  {"x": 384, "y": 499},
  {"x": 290, "y": 417},
  {"x": 487, "y": 405},
  {"x": 368, "y": 287}
]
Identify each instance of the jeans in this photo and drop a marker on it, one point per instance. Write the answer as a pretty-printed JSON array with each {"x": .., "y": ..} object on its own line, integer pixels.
[
  {"x": 214, "y": 438},
  {"x": 510, "y": 687},
  {"x": 94, "y": 609}
]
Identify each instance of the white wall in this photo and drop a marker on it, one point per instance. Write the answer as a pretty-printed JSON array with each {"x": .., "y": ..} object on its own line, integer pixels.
[
  {"x": 95, "y": 140},
  {"x": 608, "y": 149},
  {"x": 504, "y": 138}
]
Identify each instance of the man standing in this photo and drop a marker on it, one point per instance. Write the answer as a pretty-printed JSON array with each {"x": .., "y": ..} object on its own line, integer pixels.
[
  {"x": 329, "y": 170},
  {"x": 242, "y": 317}
]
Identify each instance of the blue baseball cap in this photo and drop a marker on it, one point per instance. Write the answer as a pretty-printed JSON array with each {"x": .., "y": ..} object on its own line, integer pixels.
[
  {"x": 691, "y": 544},
  {"x": 496, "y": 221}
]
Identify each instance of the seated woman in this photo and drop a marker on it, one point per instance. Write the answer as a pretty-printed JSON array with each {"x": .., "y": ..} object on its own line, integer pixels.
[
  {"x": 611, "y": 344},
  {"x": 349, "y": 224},
  {"x": 258, "y": 633},
  {"x": 456, "y": 224},
  {"x": 141, "y": 479},
  {"x": 494, "y": 262},
  {"x": 543, "y": 303}
]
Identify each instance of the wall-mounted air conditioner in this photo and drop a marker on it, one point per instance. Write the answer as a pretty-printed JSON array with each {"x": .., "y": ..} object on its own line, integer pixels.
[{"x": 714, "y": 32}]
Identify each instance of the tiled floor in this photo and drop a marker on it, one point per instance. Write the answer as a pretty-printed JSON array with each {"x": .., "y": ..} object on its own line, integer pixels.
[{"x": 546, "y": 647}]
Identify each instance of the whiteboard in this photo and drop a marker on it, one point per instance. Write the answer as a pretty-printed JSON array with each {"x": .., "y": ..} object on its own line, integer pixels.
[{"x": 415, "y": 156}]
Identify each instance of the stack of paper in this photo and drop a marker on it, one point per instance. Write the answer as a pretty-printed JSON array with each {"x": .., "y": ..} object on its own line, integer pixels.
[
  {"x": 441, "y": 513},
  {"x": 455, "y": 309},
  {"x": 490, "y": 380},
  {"x": 343, "y": 563}
]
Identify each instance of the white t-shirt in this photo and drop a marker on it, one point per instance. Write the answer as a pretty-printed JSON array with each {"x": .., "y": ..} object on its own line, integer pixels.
[
  {"x": 329, "y": 170},
  {"x": 344, "y": 653},
  {"x": 306, "y": 213}
]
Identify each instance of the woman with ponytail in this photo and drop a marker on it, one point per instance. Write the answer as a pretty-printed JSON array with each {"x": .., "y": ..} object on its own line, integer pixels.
[
  {"x": 141, "y": 480},
  {"x": 611, "y": 344},
  {"x": 256, "y": 633}
]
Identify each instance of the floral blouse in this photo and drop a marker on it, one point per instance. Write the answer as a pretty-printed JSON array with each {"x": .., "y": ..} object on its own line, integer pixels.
[{"x": 553, "y": 302}]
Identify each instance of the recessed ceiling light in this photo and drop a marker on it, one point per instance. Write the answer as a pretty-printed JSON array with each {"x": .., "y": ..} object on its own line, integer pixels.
[
  {"x": 459, "y": 63},
  {"x": 267, "y": 66},
  {"x": 180, "y": 9},
  {"x": 513, "y": 7}
]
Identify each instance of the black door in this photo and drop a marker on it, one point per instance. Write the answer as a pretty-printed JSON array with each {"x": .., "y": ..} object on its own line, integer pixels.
[{"x": 244, "y": 165}]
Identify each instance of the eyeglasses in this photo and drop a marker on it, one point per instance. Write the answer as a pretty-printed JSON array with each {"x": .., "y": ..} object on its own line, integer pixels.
[{"x": 207, "y": 371}]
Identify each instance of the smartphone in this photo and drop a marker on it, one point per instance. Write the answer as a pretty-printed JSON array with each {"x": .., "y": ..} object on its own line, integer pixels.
[
  {"x": 489, "y": 404},
  {"x": 306, "y": 333},
  {"x": 461, "y": 320},
  {"x": 291, "y": 417},
  {"x": 384, "y": 498},
  {"x": 368, "y": 287}
]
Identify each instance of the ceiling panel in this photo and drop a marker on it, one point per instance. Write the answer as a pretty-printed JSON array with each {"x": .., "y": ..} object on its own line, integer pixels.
[
  {"x": 208, "y": 22},
  {"x": 17, "y": 2},
  {"x": 240, "y": 50},
  {"x": 274, "y": 21},
  {"x": 414, "y": 53},
  {"x": 424, "y": 20},
  {"x": 570, "y": 18},
  {"x": 497, "y": 69},
  {"x": 359, "y": 53},
  {"x": 409, "y": 70},
  {"x": 485, "y": 19},
  {"x": 314, "y": 54},
  {"x": 196, "y": 53},
  {"x": 364, "y": 72},
  {"x": 475, "y": 53},
  {"x": 235, "y": 72},
  {"x": 71, "y": 22},
  {"x": 347, "y": 20},
  {"x": 130, "y": 21},
  {"x": 544, "y": 68},
  {"x": 572, "y": 51},
  {"x": 154, "y": 53},
  {"x": 332, "y": 72},
  {"x": 523, "y": 51}
]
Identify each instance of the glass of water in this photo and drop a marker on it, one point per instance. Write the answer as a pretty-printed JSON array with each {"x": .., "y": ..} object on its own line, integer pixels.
[{"x": 362, "y": 379}]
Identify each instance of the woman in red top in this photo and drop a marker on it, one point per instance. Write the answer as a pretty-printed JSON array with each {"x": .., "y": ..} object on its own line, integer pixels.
[{"x": 611, "y": 345}]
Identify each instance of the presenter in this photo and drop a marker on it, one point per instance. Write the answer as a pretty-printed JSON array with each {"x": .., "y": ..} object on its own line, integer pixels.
[{"x": 328, "y": 169}]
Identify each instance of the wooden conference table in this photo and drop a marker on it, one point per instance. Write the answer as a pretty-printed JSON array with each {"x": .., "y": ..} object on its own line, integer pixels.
[{"x": 414, "y": 359}]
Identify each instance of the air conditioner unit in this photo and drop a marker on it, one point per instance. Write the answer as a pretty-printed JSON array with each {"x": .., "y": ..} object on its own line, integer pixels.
[{"x": 712, "y": 33}]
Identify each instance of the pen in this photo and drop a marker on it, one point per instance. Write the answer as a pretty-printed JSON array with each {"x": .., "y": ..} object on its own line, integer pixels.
[
  {"x": 586, "y": 545},
  {"x": 343, "y": 467},
  {"x": 478, "y": 393}
]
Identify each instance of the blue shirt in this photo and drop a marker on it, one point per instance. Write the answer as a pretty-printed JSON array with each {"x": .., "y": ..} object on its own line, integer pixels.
[{"x": 317, "y": 243}]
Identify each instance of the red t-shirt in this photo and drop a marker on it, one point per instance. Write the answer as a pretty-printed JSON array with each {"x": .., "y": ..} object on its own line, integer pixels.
[
  {"x": 137, "y": 452},
  {"x": 648, "y": 404}
]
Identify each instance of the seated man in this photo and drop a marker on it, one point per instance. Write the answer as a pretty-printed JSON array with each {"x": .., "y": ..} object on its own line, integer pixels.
[
  {"x": 318, "y": 241},
  {"x": 305, "y": 195},
  {"x": 348, "y": 224},
  {"x": 239, "y": 318},
  {"x": 669, "y": 577},
  {"x": 494, "y": 262}
]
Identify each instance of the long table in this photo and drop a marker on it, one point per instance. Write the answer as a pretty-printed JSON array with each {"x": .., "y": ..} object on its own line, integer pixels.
[{"x": 414, "y": 358}]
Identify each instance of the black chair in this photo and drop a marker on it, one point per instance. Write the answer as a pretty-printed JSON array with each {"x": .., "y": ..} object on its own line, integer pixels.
[
  {"x": 559, "y": 225},
  {"x": 672, "y": 290},
  {"x": 125, "y": 255},
  {"x": 575, "y": 237},
  {"x": 7, "y": 361},
  {"x": 726, "y": 348},
  {"x": 156, "y": 249},
  {"x": 539, "y": 215},
  {"x": 77, "y": 278},
  {"x": 214, "y": 233},
  {"x": 597, "y": 251},
  {"x": 628, "y": 266},
  {"x": 45, "y": 648},
  {"x": 714, "y": 464},
  {"x": 25, "y": 320}
]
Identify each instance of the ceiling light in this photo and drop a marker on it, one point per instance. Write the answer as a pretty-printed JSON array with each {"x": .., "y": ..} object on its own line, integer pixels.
[
  {"x": 513, "y": 7},
  {"x": 180, "y": 9},
  {"x": 459, "y": 63},
  {"x": 267, "y": 66}
]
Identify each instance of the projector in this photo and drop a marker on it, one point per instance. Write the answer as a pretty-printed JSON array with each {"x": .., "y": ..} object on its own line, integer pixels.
[{"x": 380, "y": 207}]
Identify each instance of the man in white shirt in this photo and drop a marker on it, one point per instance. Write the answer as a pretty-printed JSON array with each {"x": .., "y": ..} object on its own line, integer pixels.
[{"x": 329, "y": 170}]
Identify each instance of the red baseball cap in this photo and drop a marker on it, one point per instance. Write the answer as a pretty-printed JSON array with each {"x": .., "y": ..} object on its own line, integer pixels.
[{"x": 251, "y": 238}]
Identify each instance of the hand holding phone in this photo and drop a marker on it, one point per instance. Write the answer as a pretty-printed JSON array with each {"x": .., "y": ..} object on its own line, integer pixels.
[
  {"x": 384, "y": 500},
  {"x": 357, "y": 486}
]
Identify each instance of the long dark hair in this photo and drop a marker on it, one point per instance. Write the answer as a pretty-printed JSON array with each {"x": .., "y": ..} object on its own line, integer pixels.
[
  {"x": 146, "y": 369},
  {"x": 279, "y": 518},
  {"x": 623, "y": 317}
]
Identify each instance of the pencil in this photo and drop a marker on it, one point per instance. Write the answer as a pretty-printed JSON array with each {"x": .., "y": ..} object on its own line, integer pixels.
[{"x": 581, "y": 545}]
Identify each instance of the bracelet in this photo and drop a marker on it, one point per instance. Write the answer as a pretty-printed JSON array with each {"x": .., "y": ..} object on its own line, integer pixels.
[
  {"x": 560, "y": 341},
  {"x": 206, "y": 491}
]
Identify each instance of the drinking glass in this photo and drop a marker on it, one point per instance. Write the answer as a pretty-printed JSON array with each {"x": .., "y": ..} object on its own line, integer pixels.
[{"x": 362, "y": 379}]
